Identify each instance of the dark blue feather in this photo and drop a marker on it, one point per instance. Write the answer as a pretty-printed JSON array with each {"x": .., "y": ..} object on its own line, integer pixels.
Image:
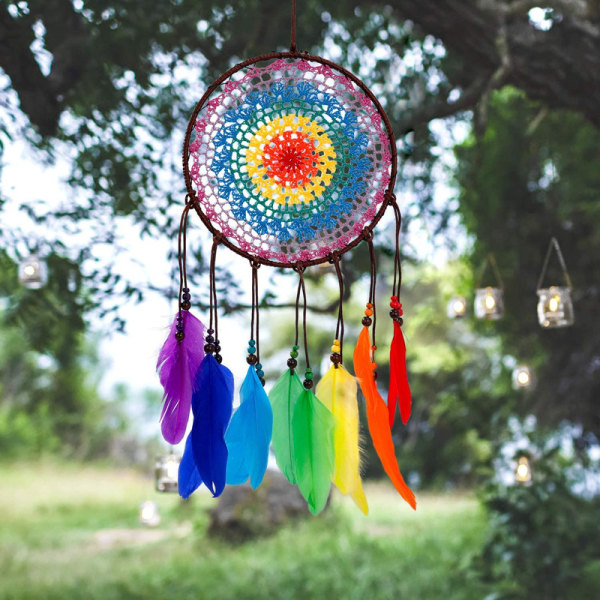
[
  {"x": 188, "y": 479},
  {"x": 212, "y": 403},
  {"x": 249, "y": 434}
]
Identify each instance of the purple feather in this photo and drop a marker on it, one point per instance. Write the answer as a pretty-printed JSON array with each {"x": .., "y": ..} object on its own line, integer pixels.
[
  {"x": 212, "y": 403},
  {"x": 177, "y": 365}
]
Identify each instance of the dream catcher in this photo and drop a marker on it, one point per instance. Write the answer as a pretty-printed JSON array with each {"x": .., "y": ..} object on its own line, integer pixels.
[{"x": 290, "y": 161}]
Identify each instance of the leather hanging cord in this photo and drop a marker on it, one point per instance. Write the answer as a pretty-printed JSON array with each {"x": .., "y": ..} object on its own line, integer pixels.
[
  {"x": 255, "y": 323},
  {"x": 182, "y": 249},
  {"x": 298, "y": 270},
  {"x": 554, "y": 244},
  {"x": 293, "y": 47},
  {"x": 339, "y": 330},
  {"x": 490, "y": 260},
  {"x": 303, "y": 287},
  {"x": 213, "y": 289},
  {"x": 373, "y": 266},
  {"x": 397, "y": 285}
]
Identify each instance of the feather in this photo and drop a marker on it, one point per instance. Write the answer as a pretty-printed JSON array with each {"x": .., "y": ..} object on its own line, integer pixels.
[
  {"x": 312, "y": 434},
  {"x": 377, "y": 416},
  {"x": 337, "y": 391},
  {"x": 283, "y": 398},
  {"x": 188, "y": 478},
  {"x": 399, "y": 392},
  {"x": 249, "y": 434},
  {"x": 212, "y": 403},
  {"x": 177, "y": 364}
]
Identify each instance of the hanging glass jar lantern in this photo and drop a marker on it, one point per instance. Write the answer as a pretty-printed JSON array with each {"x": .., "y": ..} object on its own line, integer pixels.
[
  {"x": 457, "y": 307},
  {"x": 33, "y": 272},
  {"x": 149, "y": 515},
  {"x": 523, "y": 378},
  {"x": 165, "y": 473},
  {"x": 489, "y": 301},
  {"x": 555, "y": 306},
  {"x": 523, "y": 472}
]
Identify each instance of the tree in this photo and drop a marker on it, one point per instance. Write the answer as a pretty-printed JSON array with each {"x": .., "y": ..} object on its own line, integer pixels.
[{"x": 519, "y": 185}]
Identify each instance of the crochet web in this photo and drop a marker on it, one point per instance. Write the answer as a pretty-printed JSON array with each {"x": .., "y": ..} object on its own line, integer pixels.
[{"x": 290, "y": 161}]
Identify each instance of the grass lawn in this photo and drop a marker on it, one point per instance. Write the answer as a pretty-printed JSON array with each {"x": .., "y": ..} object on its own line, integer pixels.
[{"x": 71, "y": 531}]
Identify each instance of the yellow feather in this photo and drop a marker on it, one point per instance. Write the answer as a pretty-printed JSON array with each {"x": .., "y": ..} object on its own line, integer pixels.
[{"x": 337, "y": 391}]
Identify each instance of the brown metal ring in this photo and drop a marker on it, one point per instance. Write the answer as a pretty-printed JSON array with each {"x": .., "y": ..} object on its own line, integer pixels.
[{"x": 308, "y": 57}]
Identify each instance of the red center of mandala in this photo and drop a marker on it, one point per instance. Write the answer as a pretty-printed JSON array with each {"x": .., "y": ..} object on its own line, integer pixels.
[{"x": 291, "y": 159}]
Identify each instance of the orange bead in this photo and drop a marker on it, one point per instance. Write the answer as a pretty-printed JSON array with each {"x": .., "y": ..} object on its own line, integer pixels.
[
  {"x": 369, "y": 305},
  {"x": 368, "y": 312}
]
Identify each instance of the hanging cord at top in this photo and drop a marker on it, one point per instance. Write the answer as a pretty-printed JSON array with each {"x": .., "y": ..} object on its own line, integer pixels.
[
  {"x": 293, "y": 47},
  {"x": 554, "y": 244},
  {"x": 489, "y": 260}
]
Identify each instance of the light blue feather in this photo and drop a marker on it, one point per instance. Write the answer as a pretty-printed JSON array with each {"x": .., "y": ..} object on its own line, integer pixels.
[
  {"x": 249, "y": 434},
  {"x": 188, "y": 479}
]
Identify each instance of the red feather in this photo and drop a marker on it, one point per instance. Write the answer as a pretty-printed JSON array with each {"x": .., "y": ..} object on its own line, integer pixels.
[{"x": 399, "y": 391}]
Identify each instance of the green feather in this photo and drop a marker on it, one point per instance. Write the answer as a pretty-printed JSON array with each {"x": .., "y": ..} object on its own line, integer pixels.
[
  {"x": 283, "y": 397},
  {"x": 312, "y": 433}
]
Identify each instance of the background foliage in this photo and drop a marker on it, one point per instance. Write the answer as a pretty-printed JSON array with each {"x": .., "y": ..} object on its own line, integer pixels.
[{"x": 496, "y": 113}]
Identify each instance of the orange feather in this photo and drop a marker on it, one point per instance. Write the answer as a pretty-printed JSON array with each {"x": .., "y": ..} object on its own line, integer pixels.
[{"x": 378, "y": 416}]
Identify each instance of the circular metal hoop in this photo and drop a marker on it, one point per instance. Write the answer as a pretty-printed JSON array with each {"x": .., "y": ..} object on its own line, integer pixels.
[{"x": 366, "y": 231}]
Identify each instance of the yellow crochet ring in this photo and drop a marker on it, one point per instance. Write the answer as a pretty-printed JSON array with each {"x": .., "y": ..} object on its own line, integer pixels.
[{"x": 303, "y": 154}]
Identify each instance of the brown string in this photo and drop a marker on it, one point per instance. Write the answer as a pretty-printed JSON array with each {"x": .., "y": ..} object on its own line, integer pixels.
[
  {"x": 302, "y": 288},
  {"x": 298, "y": 270},
  {"x": 213, "y": 288},
  {"x": 293, "y": 47},
  {"x": 255, "y": 331},
  {"x": 339, "y": 330},
  {"x": 397, "y": 266},
  {"x": 181, "y": 250},
  {"x": 372, "y": 288}
]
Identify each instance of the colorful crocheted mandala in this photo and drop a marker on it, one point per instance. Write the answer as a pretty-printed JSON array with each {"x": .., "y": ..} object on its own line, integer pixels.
[{"x": 290, "y": 161}]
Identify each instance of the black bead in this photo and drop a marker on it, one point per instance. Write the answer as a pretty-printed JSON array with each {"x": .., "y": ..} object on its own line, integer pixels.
[
  {"x": 394, "y": 313},
  {"x": 210, "y": 339},
  {"x": 179, "y": 335},
  {"x": 210, "y": 331},
  {"x": 292, "y": 363},
  {"x": 308, "y": 383},
  {"x": 262, "y": 381},
  {"x": 336, "y": 358},
  {"x": 400, "y": 321},
  {"x": 180, "y": 318},
  {"x": 186, "y": 296},
  {"x": 209, "y": 348},
  {"x": 218, "y": 358},
  {"x": 367, "y": 321},
  {"x": 186, "y": 305},
  {"x": 217, "y": 347},
  {"x": 375, "y": 375},
  {"x": 179, "y": 326},
  {"x": 186, "y": 289},
  {"x": 251, "y": 359}
]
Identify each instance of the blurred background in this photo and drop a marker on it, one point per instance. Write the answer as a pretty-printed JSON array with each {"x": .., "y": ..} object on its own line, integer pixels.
[{"x": 496, "y": 109}]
